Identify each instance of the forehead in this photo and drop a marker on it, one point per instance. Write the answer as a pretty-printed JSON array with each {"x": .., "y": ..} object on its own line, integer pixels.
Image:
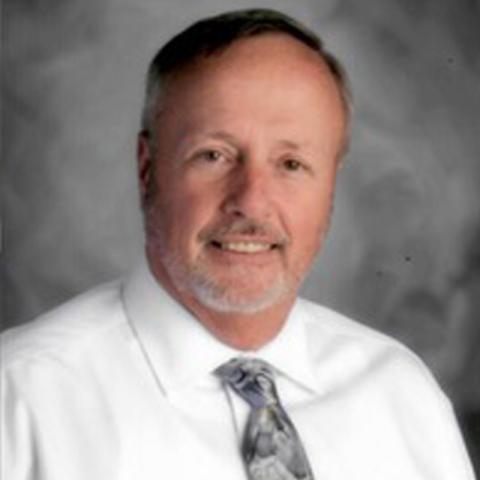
[
  {"x": 270, "y": 79},
  {"x": 262, "y": 60}
]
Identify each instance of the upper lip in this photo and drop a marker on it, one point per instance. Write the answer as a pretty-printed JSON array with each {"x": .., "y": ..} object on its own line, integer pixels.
[{"x": 245, "y": 231}]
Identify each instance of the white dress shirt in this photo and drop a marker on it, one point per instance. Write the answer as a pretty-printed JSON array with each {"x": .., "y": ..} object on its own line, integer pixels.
[{"x": 118, "y": 384}]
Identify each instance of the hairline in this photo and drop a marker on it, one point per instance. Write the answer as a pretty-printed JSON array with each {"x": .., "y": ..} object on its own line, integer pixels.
[{"x": 160, "y": 76}]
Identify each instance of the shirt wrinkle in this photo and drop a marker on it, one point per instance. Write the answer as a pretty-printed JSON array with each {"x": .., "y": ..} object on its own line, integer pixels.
[
  {"x": 19, "y": 350},
  {"x": 92, "y": 414},
  {"x": 156, "y": 316}
]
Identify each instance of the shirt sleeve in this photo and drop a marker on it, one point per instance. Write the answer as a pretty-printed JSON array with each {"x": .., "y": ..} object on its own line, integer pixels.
[
  {"x": 429, "y": 422},
  {"x": 18, "y": 457}
]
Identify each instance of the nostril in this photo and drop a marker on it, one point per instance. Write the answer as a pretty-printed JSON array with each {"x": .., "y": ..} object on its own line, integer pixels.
[
  {"x": 247, "y": 203},
  {"x": 233, "y": 207}
]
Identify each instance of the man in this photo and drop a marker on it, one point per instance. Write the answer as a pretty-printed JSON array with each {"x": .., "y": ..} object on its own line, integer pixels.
[{"x": 205, "y": 364}]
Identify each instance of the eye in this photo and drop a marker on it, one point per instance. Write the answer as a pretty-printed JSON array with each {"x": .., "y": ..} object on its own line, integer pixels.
[
  {"x": 211, "y": 160},
  {"x": 292, "y": 165},
  {"x": 211, "y": 155}
]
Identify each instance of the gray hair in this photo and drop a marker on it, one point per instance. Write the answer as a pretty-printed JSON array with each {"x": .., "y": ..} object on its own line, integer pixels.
[{"x": 213, "y": 35}]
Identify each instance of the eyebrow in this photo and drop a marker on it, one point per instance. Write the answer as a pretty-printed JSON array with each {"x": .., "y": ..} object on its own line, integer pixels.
[
  {"x": 223, "y": 135},
  {"x": 289, "y": 144},
  {"x": 218, "y": 135},
  {"x": 187, "y": 139}
]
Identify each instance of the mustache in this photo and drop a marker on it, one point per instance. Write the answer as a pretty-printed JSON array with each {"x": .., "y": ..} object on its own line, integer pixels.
[{"x": 244, "y": 226}]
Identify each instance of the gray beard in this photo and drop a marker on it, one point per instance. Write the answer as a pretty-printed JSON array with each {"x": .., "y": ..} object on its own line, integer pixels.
[{"x": 222, "y": 298}]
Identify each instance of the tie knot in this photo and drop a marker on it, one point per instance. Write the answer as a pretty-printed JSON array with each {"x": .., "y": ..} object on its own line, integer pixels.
[{"x": 252, "y": 379}]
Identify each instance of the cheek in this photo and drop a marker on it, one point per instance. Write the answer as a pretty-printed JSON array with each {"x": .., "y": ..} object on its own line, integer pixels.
[
  {"x": 182, "y": 206},
  {"x": 189, "y": 211},
  {"x": 309, "y": 220},
  {"x": 308, "y": 236}
]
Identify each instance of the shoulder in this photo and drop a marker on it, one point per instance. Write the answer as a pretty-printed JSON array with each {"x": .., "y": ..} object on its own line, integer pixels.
[
  {"x": 65, "y": 331},
  {"x": 384, "y": 389},
  {"x": 357, "y": 351},
  {"x": 323, "y": 319}
]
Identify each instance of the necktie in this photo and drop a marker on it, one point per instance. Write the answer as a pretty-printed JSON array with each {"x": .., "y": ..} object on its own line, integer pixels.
[{"x": 271, "y": 447}]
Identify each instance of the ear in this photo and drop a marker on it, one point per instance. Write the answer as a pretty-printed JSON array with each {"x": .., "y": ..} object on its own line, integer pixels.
[{"x": 144, "y": 165}]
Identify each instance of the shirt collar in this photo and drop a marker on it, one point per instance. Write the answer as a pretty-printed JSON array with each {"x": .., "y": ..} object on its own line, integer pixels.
[{"x": 183, "y": 352}]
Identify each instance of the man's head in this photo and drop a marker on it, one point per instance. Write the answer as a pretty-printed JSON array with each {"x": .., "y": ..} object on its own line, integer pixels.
[{"x": 244, "y": 122}]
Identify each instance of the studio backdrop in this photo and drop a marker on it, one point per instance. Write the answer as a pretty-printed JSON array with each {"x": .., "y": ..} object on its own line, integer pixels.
[{"x": 403, "y": 253}]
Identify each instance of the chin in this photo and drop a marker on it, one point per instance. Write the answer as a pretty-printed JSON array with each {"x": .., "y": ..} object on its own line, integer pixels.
[
  {"x": 234, "y": 300},
  {"x": 239, "y": 291}
]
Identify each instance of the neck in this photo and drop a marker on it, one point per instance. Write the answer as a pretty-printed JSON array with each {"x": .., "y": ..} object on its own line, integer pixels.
[
  {"x": 239, "y": 330},
  {"x": 242, "y": 331}
]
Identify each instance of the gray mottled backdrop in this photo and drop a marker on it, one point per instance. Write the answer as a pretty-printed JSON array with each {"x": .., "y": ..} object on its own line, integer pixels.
[{"x": 404, "y": 250}]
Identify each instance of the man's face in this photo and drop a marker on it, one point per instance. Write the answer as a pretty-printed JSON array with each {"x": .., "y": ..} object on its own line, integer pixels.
[{"x": 242, "y": 174}]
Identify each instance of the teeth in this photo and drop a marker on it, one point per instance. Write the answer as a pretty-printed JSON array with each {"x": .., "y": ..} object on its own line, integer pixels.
[{"x": 245, "y": 247}]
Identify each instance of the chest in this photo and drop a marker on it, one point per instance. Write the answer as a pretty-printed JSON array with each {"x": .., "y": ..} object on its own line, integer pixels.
[{"x": 196, "y": 434}]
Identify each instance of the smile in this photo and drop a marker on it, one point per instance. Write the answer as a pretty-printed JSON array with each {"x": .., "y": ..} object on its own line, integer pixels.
[{"x": 244, "y": 247}]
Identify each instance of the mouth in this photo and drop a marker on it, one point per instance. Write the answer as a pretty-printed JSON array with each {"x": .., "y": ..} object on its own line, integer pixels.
[{"x": 244, "y": 246}]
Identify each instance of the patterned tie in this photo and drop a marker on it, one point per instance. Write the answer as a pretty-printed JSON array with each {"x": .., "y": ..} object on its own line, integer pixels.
[{"x": 271, "y": 447}]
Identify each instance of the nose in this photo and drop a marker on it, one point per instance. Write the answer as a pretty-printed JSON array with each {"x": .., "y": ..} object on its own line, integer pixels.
[{"x": 248, "y": 193}]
